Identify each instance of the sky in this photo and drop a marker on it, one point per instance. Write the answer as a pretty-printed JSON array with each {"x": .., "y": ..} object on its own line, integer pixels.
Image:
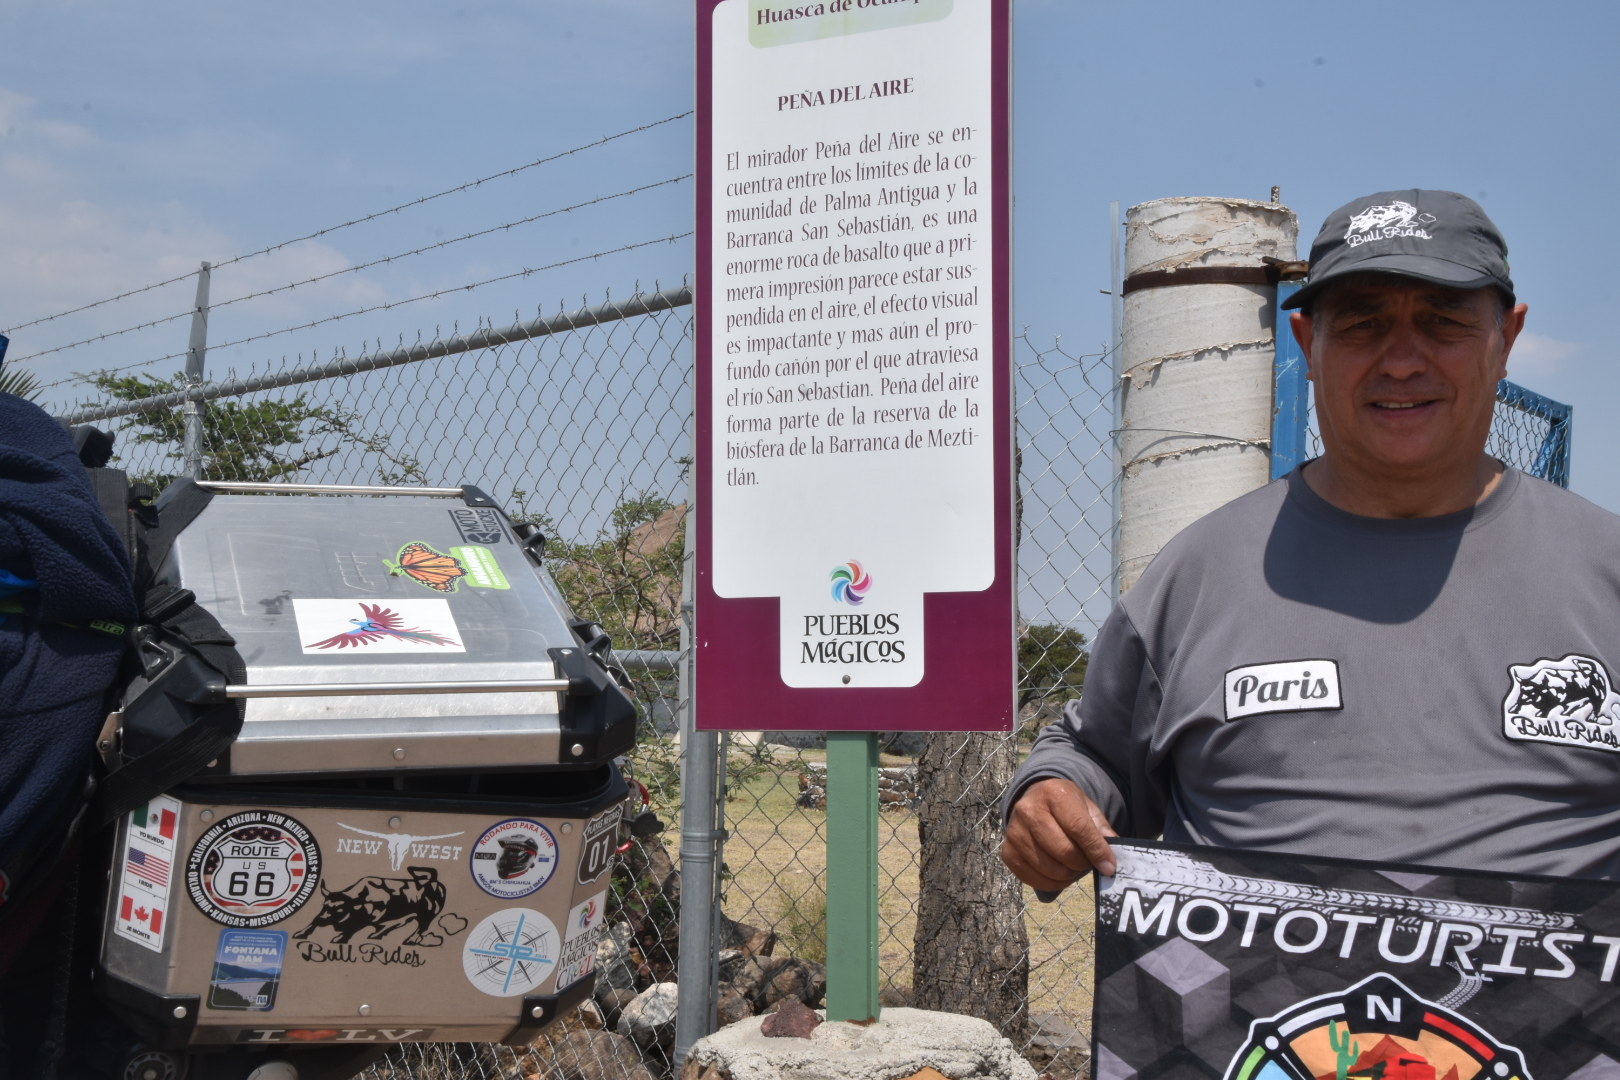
[{"x": 138, "y": 140}]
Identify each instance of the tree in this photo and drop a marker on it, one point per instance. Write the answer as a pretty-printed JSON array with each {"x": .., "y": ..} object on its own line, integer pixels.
[
  {"x": 247, "y": 440},
  {"x": 21, "y": 383},
  {"x": 1052, "y": 663},
  {"x": 628, "y": 579},
  {"x": 971, "y": 949}
]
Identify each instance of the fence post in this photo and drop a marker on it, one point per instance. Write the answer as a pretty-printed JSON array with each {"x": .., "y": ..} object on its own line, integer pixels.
[
  {"x": 192, "y": 447},
  {"x": 1116, "y": 318},
  {"x": 1290, "y": 397},
  {"x": 696, "y": 965}
]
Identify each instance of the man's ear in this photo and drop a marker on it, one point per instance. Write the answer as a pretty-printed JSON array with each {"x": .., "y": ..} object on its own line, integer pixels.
[
  {"x": 1301, "y": 324},
  {"x": 1512, "y": 324}
]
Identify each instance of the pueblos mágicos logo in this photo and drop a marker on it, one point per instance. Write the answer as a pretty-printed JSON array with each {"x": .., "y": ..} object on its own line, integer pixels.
[
  {"x": 857, "y": 637},
  {"x": 850, "y": 583}
]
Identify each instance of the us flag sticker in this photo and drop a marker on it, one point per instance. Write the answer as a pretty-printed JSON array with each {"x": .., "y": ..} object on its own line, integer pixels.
[{"x": 146, "y": 872}]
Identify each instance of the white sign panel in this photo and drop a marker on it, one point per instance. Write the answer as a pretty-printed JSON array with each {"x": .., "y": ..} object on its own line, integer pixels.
[{"x": 852, "y": 433}]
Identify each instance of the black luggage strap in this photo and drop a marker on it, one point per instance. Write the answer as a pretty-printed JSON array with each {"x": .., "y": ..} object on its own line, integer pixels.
[{"x": 171, "y": 616}]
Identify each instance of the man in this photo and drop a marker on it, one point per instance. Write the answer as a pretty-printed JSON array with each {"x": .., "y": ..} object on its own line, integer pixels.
[{"x": 1346, "y": 662}]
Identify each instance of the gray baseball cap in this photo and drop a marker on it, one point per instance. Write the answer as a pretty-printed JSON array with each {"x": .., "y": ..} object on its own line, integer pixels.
[{"x": 1436, "y": 236}]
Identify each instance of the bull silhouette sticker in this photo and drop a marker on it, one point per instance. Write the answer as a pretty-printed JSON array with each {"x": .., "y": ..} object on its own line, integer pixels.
[
  {"x": 380, "y": 906},
  {"x": 1570, "y": 701}
]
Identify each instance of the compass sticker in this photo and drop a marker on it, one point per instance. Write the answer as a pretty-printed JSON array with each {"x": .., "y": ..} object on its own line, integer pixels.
[{"x": 511, "y": 952}]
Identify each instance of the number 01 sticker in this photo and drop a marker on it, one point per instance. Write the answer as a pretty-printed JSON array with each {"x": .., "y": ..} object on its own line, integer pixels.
[{"x": 253, "y": 869}]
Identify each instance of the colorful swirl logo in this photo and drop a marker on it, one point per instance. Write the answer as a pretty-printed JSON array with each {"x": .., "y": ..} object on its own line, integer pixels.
[
  {"x": 850, "y": 583},
  {"x": 587, "y": 914}
]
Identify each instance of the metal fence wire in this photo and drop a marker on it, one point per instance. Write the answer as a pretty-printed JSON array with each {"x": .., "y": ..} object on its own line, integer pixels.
[{"x": 581, "y": 421}]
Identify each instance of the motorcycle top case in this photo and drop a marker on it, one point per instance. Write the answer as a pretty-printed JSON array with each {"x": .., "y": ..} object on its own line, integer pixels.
[
  {"x": 391, "y": 633},
  {"x": 261, "y": 916}
]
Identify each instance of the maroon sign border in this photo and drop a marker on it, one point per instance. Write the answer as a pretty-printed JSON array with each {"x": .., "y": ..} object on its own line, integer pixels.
[{"x": 969, "y": 673}]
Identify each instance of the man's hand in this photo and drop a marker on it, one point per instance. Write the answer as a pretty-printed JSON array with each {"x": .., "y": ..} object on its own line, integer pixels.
[{"x": 1055, "y": 835}]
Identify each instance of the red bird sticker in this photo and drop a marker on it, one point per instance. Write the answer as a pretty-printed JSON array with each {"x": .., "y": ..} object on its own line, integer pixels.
[{"x": 333, "y": 626}]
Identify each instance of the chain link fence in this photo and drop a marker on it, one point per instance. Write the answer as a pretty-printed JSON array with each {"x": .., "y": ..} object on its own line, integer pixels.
[{"x": 580, "y": 421}]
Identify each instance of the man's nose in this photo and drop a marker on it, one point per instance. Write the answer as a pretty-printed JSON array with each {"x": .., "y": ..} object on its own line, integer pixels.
[{"x": 1403, "y": 354}]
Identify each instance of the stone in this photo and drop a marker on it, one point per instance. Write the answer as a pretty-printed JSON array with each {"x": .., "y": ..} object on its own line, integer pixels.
[
  {"x": 596, "y": 1055},
  {"x": 791, "y": 976},
  {"x": 791, "y": 1019},
  {"x": 615, "y": 970},
  {"x": 590, "y": 1014},
  {"x": 730, "y": 1007},
  {"x": 896, "y": 997},
  {"x": 649, "y": 1020},
  {"x": 612, "y": 1002},
  {"x": 744, "y": 938},
  {"x": 748, "y": 975},
  {"x": 901, "y": 1044},
  {"x": 692, "y": 1070}
]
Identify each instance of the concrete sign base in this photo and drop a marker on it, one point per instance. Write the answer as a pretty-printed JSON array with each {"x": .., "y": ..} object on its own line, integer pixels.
[{"x": 904, "y": 1044}]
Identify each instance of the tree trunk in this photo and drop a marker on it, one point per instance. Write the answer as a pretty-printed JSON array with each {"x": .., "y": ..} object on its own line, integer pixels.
[{"x": 971, "y": 950}]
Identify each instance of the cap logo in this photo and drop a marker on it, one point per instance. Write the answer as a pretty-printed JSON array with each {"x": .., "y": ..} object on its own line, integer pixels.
[{"x": 1382, "y": 222}]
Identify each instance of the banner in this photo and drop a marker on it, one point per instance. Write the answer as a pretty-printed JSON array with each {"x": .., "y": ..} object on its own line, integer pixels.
[{"x": 1257, "y": 966}]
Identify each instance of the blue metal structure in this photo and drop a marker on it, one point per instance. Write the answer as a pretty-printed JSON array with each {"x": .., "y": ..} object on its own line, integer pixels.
[{"x": 1544, "y": 453}]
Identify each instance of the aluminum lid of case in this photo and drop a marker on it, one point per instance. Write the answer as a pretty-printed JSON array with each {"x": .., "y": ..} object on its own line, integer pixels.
[{"x": 426, "y": 613}]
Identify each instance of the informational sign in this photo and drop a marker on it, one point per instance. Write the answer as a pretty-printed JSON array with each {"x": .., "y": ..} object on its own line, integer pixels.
[
  {"x": 1253, "y": 966},
  {"x": 854, "y": 411}
]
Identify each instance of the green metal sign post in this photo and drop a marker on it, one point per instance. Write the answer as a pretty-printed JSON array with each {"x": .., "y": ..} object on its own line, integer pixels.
[{"x": 852, "y": 883}]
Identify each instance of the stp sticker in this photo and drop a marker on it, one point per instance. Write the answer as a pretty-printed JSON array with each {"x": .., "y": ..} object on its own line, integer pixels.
[
  {"x": 514, "y": 858},
  {"x": 253, "y": 869},
  {"x": 510, "y": 952}
]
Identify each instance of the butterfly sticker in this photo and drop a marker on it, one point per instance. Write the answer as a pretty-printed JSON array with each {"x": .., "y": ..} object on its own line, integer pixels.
[{"x": 425, "y": 566}]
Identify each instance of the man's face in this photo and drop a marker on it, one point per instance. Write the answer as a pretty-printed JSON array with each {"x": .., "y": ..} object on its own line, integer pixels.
[{"x": 1405, "y": 376}]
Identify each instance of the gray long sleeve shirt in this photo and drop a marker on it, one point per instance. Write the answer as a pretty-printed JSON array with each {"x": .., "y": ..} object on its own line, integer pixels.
[{"x": 1291, "y": 677}]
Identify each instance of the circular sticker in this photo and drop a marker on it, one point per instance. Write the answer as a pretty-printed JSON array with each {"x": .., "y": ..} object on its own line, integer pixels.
[
  {"x": 253, "y": 869},
  {"x": 510, "y": 952},
  {"x": 514, "y": 858}
]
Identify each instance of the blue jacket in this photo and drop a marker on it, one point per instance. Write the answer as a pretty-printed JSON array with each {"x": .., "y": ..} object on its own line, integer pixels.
[{"x": 55, "y": 670}]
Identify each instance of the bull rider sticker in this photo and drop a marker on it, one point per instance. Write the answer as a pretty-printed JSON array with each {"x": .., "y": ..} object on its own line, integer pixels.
[
  {"x": 1569, "y": 701},
  {"x": 253, "y": 869},
  {"x": 510, "y": 952},
  {"x": 514, "y": 858}
]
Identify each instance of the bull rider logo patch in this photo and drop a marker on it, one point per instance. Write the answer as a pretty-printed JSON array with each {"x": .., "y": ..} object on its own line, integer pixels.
[
  {"x": 253, "y": 869},
  {"x": 1382, "y": 222},
  {"x": 1570, "y": 701},
  {"x": 1377, "y": 1028}
]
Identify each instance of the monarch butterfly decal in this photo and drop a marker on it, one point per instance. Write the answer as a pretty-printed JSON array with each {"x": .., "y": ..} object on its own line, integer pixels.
[{"x": 419, "y": 562}]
